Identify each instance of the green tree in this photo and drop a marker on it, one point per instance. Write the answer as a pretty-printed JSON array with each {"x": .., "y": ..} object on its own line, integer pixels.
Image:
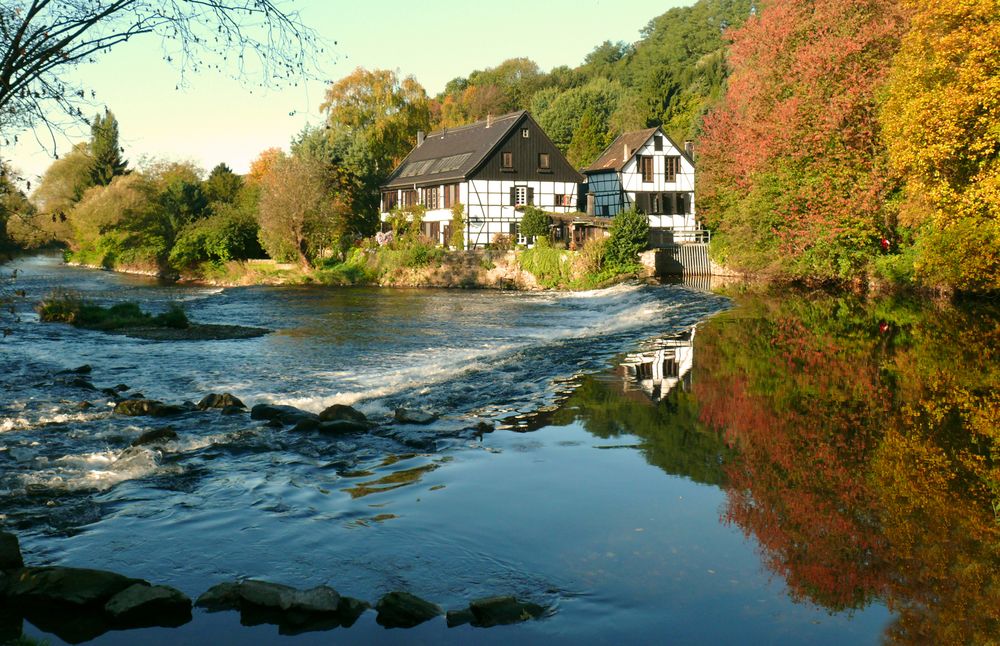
[
  {"x": 457, "y": 226},
  {"x": 105, "y": 151},
  {"x": 61, "y": 187},
  {"x": 590, "y": 138},
  {"x": 222, "y": 185}
]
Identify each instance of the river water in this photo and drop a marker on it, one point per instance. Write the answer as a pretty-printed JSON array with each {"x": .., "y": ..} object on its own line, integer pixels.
[{"x": 667, "y": 465}]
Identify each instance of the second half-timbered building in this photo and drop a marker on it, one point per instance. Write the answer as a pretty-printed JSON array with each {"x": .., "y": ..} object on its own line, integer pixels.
[
  {"x": 494, "y": 168},
  {"x": 648, "y": 171}
]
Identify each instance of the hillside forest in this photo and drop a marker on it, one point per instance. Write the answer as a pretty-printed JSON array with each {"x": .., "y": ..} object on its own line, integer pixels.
[{"x": 836, "y": 141}]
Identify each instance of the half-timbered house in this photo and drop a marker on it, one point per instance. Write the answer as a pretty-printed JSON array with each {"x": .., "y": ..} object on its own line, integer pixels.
[
  {"x": 494, "y": 168},
  {"x": 648, "y": 171}
]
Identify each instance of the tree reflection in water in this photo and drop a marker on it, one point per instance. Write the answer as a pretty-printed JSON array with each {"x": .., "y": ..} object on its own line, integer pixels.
[{"x": 866, "y": 464}]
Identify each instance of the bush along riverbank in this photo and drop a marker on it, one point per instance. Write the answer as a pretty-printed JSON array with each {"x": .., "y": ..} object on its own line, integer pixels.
[{"x": 406, "y": 258}]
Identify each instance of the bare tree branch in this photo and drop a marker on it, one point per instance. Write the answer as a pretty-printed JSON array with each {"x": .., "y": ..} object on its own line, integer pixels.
[{"x": 41, "y": 41}]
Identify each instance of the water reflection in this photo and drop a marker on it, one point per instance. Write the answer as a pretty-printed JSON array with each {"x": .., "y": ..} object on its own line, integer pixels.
[
  {"x": 858, "y": 444},
  {"x": 657, "y": 370}
]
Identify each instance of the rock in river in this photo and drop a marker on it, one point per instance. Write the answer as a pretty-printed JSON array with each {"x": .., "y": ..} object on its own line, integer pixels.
[
  {"x": 225, "y": 400},
  {"x": 404, "y": 610},
  {"x": 285, "y": 414},
  {"x": 414, "y": 416},
  {"x": 340, "y": 412},
  {"x": 134, "y": 407},
  {"x": 498, "y": 611},
  {"x": 10, "y": 553},
  {"x": 164, "y": 434},
  {"x": 234, "y": 596}
]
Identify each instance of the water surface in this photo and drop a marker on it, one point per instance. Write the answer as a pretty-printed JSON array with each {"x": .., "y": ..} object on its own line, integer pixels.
[{"x": 665, "y": 465}]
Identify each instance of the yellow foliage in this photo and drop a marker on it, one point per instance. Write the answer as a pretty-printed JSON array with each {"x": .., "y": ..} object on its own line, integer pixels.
[{"x": 941, "y": 124}]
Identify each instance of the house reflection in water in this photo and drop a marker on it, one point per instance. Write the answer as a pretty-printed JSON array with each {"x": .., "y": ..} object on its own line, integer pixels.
[{"x": 658, "y": 370}]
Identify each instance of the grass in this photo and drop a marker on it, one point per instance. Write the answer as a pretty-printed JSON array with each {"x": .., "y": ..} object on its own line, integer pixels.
[{"x": 64, "y": 307}]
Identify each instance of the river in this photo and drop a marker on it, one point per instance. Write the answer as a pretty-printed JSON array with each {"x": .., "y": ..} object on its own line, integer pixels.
[{"x": 666, "y": 464}]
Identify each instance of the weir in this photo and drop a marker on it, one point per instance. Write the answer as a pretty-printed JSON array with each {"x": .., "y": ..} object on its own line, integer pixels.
[{"x": 685, "y": 259}]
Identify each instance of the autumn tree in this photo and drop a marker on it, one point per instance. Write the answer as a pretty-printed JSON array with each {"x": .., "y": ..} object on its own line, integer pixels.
[
  {"x": 60, "y": 188},
  {"x": 373, "y": 116},
  {"x": 105, "y": 150},
  {"x": 299, "y": 210},
  {"x": 793, "y": 176},
  {"x": 42, "y": 41},
  {"x": 940, "y": 121}
]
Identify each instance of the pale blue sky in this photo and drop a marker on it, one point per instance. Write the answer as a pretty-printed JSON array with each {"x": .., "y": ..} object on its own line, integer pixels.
[{"x": 214, "y": 119}]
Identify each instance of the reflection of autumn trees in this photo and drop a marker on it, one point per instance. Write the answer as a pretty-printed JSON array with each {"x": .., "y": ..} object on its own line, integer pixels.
[{"x": 867, "y": 454}]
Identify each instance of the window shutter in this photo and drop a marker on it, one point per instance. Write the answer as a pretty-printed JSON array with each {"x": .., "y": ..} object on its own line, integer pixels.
[
  {"x": 531, "y": 196},
  {"x": 513, "y": 196}
]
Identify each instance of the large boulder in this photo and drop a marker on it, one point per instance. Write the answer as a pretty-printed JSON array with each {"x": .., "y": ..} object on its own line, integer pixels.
[
  {"x": 136, "y": 407},
  {"x": 146, "y": 605},
  {"x": 340, "y": 412},
  {"x": 225, "y": 400},
  {"x": 286, "y": 415},
  {"x": 498, "y": 611},
  {"x": 64, "y": 585},
  {"x": 10, "y": 553},
  {"x": 404, "y": 610},
  {"x": 414, "y": 416}
]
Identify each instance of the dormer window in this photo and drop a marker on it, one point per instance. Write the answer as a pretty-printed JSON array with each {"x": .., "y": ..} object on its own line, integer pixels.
[
  {"x": 525, "y": 133},
  {"x": 543, "y": 161},
  {"x": 507, "y": 160},
  {"x": 657, "y": 143}
]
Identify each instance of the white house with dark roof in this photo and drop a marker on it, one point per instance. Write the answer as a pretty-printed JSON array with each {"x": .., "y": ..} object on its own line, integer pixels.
[
  {"x": 494, "y": 168},
  {"x": 648, "y": 171}
]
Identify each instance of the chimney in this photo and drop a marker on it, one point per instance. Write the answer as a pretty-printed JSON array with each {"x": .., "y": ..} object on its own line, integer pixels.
[
  {"x": 489, "y": 120},
  {"x": 689, "y": 147},
  {"x": 420, "y": 138}
]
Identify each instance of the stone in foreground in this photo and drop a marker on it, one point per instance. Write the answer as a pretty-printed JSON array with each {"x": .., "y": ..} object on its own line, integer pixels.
[
  {"x": 10, "y": 553},
  {"x": 404, "y": 610},
  {"x": 144, "y": 605},
  {"x": 499, "y": 611},
  {"x": 75, "y": 586}
]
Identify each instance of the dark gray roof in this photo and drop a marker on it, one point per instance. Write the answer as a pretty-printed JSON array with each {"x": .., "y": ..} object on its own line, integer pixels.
[
  {"x": 452, "y": 154},
  {"x": 623, "y": 149}
]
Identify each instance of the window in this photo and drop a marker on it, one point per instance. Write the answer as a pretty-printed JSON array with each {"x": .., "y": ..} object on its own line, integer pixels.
[
  {"x": 515, "y": 233},
  {"x": 390, "y": 200},
  {"x": 507, "y": 160},
  {"x": 645, "y": 164},
  {"x": 525, "y": 133},
  {"x": 657, "y": 143},
  {"x": 562, "y": 199},
  {"x": 521, "y": 195},
  {"x": 451, "y": 195},
  {"x": 431, "y": 198},
  {"x": 409, "y": 197},
  {"x": 543, "y": 161},
  {"x": 654, "y": 203},
  {"x": 673, "y": 168}
]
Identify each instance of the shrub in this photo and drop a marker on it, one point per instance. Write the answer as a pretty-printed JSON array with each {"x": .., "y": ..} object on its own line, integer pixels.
[
  {"x": 552, "y": 267},
  {"x": 629, "y": 236},
  {"x": 231, "y": 234},
  {"x": 502, "y": 242},
  {"x": 535, "y": 223},
  {"x": 592, "y": 255},
  {"x": 457, "y": 227},
  {"x": 67, "y": 307}
]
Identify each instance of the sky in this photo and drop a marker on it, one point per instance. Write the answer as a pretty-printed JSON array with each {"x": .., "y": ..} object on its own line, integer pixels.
[{"x": 211, "y": 118}]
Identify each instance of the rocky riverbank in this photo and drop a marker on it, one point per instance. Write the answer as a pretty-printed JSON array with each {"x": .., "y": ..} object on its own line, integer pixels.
[{"x": 80, "y": 604}]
